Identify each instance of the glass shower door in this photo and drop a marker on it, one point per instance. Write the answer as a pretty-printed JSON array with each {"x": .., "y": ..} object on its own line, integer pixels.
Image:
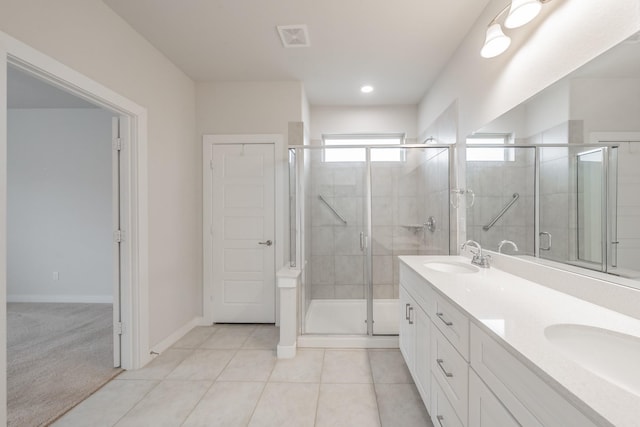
[
  {"x": 409, "y": 216},
  {"x": 336, "y": 234}
]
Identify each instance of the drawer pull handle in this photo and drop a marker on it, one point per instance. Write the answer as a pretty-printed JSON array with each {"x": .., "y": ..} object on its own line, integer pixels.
[
  {"x": 440, "y": 419},
  {"x": 410, "y": 311},
  {"x": 406, "y": 311},
  {"x": 446, "y": 322},
  {"x": 440, "y": 364}
]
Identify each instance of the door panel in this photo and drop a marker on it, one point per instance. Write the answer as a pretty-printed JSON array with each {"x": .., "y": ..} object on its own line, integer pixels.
[{"x": 243, "y": 232}]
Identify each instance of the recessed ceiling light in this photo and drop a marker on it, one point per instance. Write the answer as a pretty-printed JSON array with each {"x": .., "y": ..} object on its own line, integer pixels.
[{"x": 366, "y": 89}]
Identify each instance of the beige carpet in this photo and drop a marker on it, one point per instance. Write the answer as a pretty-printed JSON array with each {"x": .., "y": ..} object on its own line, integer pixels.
[{"x": 57, "y": 355}]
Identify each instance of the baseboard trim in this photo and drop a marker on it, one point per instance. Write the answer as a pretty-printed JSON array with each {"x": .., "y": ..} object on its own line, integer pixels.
[
  {"x": 88, "y": 299},
  {"x": 286, "y": 351},
  {"x": 174, "y": 337},
  {"x": 347, "y": 341}
]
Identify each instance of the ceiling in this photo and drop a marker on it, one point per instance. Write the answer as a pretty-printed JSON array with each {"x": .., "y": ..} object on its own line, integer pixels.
[{"x": 399, "y": 46}]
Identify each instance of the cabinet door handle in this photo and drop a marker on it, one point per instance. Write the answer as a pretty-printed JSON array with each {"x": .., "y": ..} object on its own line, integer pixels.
[
  {"x": 441, "y": 365},
  {"x": 441, "y": 316},
  {"x": 406, "y": 311},
  {"x": 440, "y": 419},
  {"x": 410, "y": 311}
]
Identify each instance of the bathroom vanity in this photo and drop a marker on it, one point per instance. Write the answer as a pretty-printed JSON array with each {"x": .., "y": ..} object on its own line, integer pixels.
[{"x": 490, "y": 349}]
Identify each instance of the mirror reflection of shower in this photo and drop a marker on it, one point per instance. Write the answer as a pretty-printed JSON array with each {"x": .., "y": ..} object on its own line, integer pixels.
[{"x": 574, "y": 210}]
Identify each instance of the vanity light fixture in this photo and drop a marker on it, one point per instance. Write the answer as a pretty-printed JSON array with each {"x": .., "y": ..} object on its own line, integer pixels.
[
  {"x": 521, "y": 12},
  {"x": 366, "y": 89}
]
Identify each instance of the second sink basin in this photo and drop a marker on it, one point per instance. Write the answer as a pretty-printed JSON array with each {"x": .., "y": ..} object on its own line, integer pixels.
[
  {"x": 608, "y": 354},
  {"x": 451, "y": 267}
]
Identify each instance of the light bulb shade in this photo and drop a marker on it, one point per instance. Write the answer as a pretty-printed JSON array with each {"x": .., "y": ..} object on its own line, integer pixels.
[
  {"x": 522, "y": 12},
  {"x": 495, "y": 43}
]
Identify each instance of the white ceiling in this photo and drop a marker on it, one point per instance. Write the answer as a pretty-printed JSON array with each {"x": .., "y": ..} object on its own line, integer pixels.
[{"x": 397, "y": 46}]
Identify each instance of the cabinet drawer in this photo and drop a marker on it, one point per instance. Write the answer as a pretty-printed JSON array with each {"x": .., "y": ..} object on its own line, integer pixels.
[
  {"x": 442, "y": 413},
  {"x": 530, "y": 400},
  {"x": 485, "y": 410},
  {"x": 418, "y": 287},
  {"x": 452, "y": 371},
  {"x": 453, "y": 324}
]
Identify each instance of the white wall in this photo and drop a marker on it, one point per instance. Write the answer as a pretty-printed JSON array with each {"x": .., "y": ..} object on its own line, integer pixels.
[
  {"x": 384, "y": 119},
  {"x": 567, "y": 34},
  {"x": 606, "y": 104},
  {"x": 59, "y": 205},
  {"x": 248, "y": 107},
  {"x": 90, "y": 38},
  {"x": 255, "y": 108}
]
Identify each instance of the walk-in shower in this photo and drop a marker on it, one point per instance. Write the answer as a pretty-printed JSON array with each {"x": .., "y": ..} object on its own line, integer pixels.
[{"x": 354, "y": 209}]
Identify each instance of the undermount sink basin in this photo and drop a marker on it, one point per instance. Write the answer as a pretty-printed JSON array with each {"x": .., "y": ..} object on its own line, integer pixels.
[
  {"x": 611, "y": 355},
  {"x": 451, "y": 267}
]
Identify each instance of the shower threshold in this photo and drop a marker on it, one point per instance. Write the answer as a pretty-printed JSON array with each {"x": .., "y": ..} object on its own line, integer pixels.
[{"x": 348, "y": 317}]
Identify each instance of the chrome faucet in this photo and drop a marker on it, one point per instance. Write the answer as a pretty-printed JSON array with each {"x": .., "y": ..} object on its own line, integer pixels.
[
  {"x": 507, "y": 242},
  {"x": 478, "y": 258}
]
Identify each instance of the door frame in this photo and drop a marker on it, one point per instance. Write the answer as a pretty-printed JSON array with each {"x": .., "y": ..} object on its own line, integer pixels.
[
  {"x": 280, "y": 206},
  {"x": 134, "y": 193}
]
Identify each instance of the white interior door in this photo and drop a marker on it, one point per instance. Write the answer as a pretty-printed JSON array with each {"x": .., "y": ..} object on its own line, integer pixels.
[{"x": 243, "y": 233}]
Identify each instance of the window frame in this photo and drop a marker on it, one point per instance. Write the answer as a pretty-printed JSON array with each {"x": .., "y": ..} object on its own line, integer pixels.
[
  {"x": 368, "y": 137},
  {"x": 508, "y": 154}
]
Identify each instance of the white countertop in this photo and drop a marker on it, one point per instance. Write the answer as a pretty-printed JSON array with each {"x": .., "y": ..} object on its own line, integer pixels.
[{"x": 516, "y": 311}]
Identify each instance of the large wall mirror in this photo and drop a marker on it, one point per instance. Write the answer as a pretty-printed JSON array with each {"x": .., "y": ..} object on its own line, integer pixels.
[{"x": 559, "y": 175}]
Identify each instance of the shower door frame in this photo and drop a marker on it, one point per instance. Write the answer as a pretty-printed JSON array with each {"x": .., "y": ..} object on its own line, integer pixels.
[{"x": 367, "y": 214}]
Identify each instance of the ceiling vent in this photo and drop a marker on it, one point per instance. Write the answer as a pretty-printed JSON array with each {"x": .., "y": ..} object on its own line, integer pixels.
[{"x": 294, "y": 35}]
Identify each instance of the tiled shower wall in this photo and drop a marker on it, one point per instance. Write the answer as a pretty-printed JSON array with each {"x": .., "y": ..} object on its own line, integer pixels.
[
  {"x": 399, "y": 194},
  {"x": 494, "y": 184}
]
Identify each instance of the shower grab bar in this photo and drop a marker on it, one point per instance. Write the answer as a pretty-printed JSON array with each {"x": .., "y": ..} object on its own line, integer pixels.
[
  {"x": 516, "y": 196},
  {"x": 332, "y": 209}
]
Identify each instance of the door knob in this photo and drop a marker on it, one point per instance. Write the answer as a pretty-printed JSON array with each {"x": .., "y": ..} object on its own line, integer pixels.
[{"x": 267, "y": 243}]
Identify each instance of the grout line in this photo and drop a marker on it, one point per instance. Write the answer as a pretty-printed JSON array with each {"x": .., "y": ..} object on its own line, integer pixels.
[
  {"x": 375, "y": 390},
  {"x": 139, "y": 400},
  {"x": 315, "y": 419}
]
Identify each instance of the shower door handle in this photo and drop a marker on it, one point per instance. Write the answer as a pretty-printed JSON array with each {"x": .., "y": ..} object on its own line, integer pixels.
[
  {"x": 548, "y": 247},
  {"x": 363, "y": 241}
]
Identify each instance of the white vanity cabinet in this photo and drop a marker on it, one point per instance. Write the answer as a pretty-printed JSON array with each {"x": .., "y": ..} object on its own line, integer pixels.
[
  {"x": 485, "y": 410},
  {"x": 415, "y": 333},
  {"x": 466, "y": 378},
  {"x": 529, "y": 399}
]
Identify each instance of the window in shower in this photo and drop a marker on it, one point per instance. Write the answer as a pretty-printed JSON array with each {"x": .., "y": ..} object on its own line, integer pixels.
[
  {"x": 490, "y": 154},
  {"x": 360, "y": 154}
]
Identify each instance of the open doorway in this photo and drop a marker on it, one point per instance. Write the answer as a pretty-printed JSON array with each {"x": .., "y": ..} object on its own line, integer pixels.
[{"x": 63, "y": 257}]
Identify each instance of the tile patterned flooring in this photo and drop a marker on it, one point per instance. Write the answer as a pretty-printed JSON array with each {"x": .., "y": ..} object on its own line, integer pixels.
[{"x": 228, "y": 375}]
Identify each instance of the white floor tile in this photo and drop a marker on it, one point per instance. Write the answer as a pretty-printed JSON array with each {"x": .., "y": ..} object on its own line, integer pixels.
[
  {"x": 229, "y": 337},
  {"x": 286, "y": 405},
  {"x": 249, "y": 365},
  {"x": 168, "y": 404},
  {"x": 388, "y": 366},
  {"x": 226, "y": 404},
  {"x": 263, "y": 337},
  {"x": 306, "y": 367},
  {"x": 202, "y": 365},
  {"x": 346, "y": 366},
  {"x": 347, "y": 405},
  {"x": 401, "y": 405},
  {"x": 159, "y": 367},
  {"x": 196, "y": 337},
  {"x": 106, "y": 406}
]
